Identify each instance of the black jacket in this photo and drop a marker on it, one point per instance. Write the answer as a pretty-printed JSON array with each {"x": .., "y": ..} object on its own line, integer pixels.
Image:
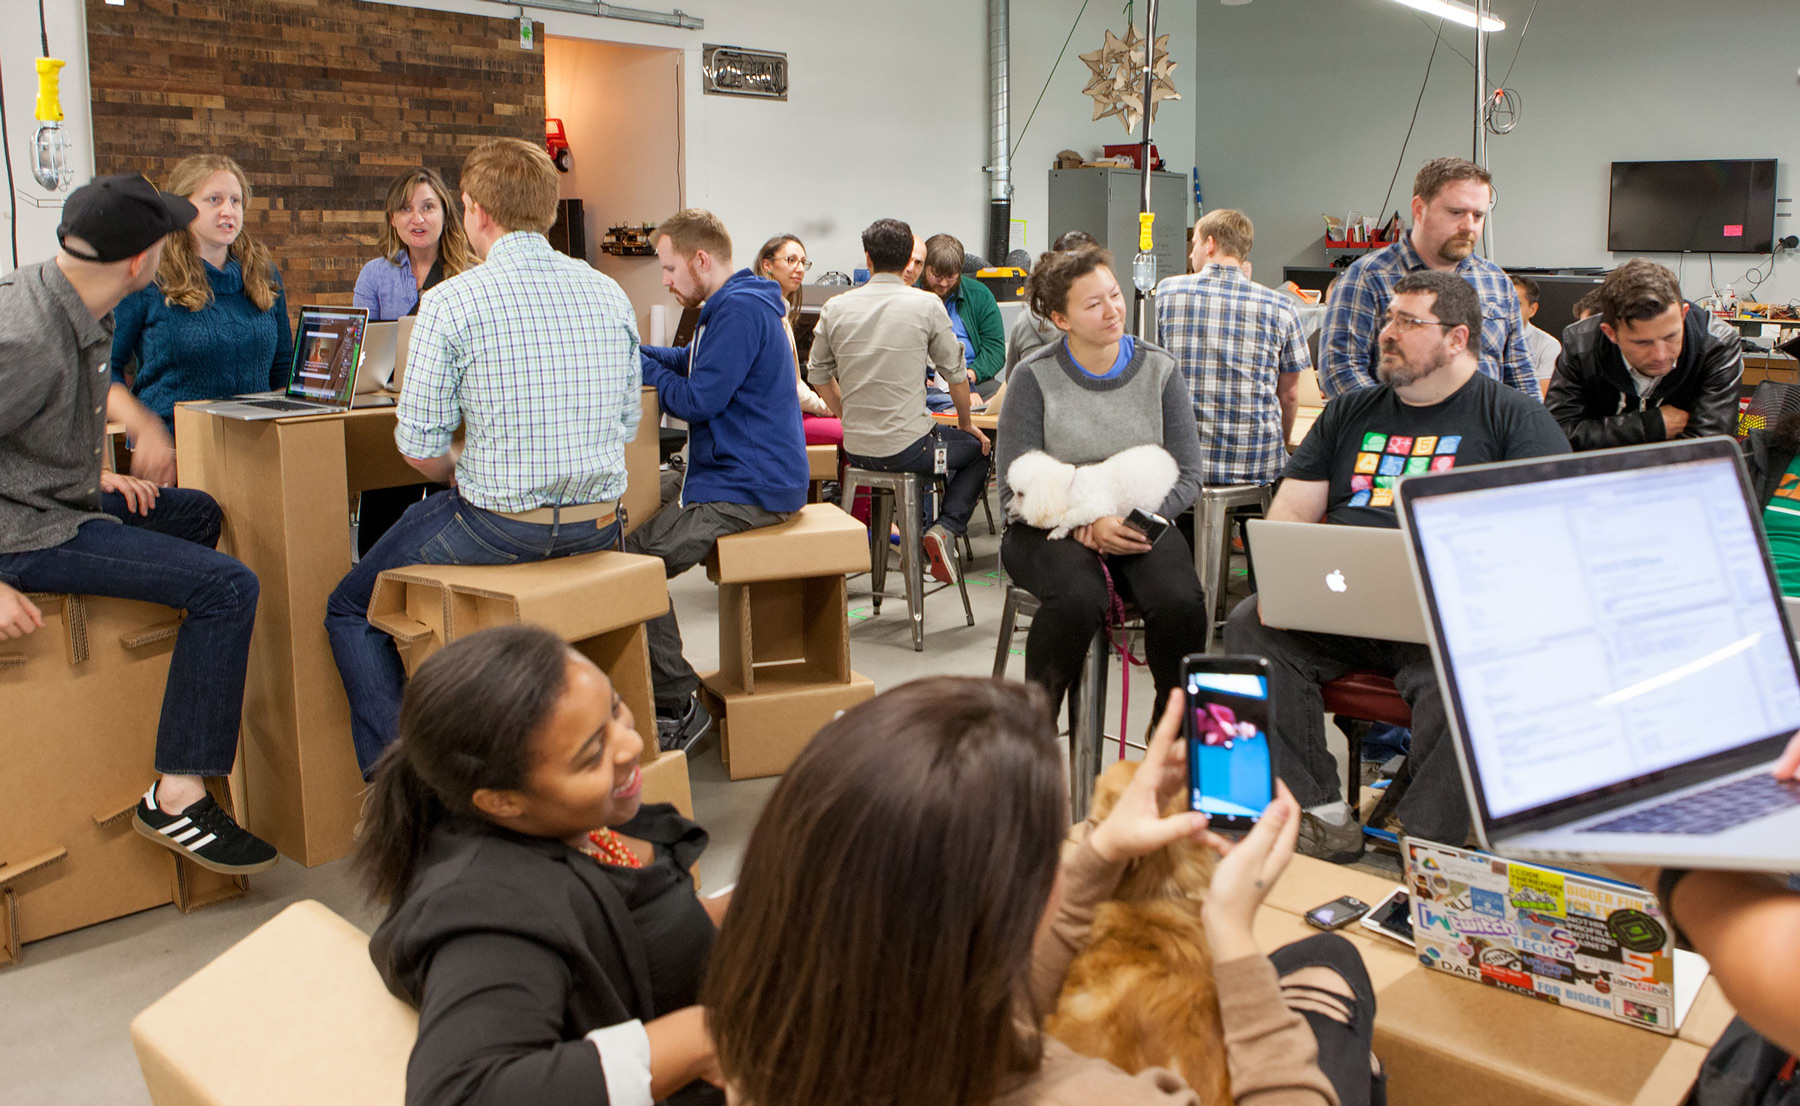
[
  {"x": 1593, "y": 399},
  {"x": 514, "y": 948},
  {"x": 1769, "y": 453}
]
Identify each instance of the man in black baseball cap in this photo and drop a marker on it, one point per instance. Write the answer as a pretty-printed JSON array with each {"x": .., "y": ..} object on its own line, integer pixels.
[
  {"x": 61, "y": 509},
  {"x": 116, "y": 218}
]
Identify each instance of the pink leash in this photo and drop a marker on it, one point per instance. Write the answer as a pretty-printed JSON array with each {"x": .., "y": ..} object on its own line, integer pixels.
[{"x": 1115, "y": 621}]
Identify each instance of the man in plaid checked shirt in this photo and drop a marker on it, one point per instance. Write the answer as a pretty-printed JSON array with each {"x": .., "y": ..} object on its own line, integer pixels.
[
  {"x": 1241, "y": 346},
  {"x": 535, "y": 356},
  {"x": 1451, "y": 198}
]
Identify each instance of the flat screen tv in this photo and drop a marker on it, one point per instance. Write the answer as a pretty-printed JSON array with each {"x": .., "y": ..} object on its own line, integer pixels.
[{"x": 1692, "y": 207}]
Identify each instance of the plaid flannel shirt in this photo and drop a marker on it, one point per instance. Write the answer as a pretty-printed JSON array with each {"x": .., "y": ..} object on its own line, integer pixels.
[
  {"x": 1350, "y": 344},
  {"x": 536, "y": 356},
  {"x": 1232, "y": 338}
]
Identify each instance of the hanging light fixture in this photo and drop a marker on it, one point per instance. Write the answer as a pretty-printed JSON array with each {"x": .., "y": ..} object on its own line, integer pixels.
[{"x": 1456, "y": 12}]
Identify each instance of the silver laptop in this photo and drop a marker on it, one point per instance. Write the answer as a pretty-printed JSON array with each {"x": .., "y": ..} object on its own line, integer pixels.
[
  {"x": 1333, "y": 579},
  {"x": 1611, "y": 643},
  {"x": 384, "y": 356},
  {"x": 323, "y": 376}
]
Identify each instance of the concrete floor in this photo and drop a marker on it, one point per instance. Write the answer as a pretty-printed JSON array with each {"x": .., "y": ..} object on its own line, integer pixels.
[{"x": 66, "y": 1008}]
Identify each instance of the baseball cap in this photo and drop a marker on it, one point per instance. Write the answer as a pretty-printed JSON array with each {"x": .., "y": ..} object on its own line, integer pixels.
[{"x": 122, "y": 216}]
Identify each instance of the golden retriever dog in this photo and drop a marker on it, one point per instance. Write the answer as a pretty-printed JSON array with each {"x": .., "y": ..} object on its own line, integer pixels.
[{"x": 1142, "y": 993}]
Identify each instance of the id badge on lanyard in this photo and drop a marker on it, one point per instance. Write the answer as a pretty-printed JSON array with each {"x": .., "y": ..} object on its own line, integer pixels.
[{"x": 940, "y": 455}]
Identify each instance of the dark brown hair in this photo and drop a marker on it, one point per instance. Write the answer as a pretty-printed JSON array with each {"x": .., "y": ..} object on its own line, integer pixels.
[
  {"x": 767, "y": 253},
  {"x": 1588, "y": 304},
  {"x": 1435, "y": 174},
  {"x": 1529, "y": 290},
  {"x": 1638, "y": 290},
  {"x": 944, "y": 254},
  {"x": 694, "y": 229},
  {"x": 469, "y": 720},
  {"x": 453, "y": 242},
  {"x": 1047, "y": 289},
  {"x": 515, "y": 182},
  {"x": 878, "y": 947},
  {"x": 1073, "y": 239},
  {"x": 1456, "y": 303}
]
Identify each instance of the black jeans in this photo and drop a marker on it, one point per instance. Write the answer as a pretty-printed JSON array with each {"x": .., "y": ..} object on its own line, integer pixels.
[
  {"x": 1343, "y": 1047},
  {"x": 1434, "y": 806},
  {"x": 167, "y": 557},
  {"x": 967, "y": 472},
  {"x": 1065, "y": 577}
]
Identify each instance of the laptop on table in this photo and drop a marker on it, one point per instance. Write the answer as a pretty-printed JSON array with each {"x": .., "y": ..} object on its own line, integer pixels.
[
  {"x": 1335, "y": 579},
  {"x": 323, "y": 376},
  {"x": 1611, "y": 643},
  {"x": 384, "y": 355}
]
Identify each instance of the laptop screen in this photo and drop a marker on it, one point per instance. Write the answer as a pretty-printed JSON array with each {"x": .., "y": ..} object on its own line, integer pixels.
[
  {"x": 1603, "y": 628},
  {"x": 326, "y": 349}
]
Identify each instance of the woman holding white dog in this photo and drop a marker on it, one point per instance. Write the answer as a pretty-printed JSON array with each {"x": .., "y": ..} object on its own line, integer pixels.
[{"x": 1118, "y": 411}]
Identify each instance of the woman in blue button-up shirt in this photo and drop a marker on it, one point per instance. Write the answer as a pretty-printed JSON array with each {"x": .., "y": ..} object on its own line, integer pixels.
[{"x": 422, "y": 243}]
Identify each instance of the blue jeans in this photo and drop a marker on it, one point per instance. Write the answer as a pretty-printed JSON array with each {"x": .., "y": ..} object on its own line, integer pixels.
[
  {"x": 967, "y": 476},
  {"x": 439, "y": 530},
  {"x": 167, "y": 557}
]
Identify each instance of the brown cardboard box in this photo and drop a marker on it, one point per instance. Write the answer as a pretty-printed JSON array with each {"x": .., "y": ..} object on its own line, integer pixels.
[
  {"x": 598, "y": 602},
  {"x": 822, "y": 462},
  {"x": 81, "y": 698},
  {"x": 819, "y": 540},
  {"x": 308, "y": 1022},
  {"x": 760, "y": 734},
  {"x": 666, "y": 781},
  {"x": 643, "y": 460},
  {"x": 1449, "y": 1040}
]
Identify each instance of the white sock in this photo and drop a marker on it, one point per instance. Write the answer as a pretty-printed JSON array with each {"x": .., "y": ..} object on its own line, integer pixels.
[{"x": 1337, "y": 813}]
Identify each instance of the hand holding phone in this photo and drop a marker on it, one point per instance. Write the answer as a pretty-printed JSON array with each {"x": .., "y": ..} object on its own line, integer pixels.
[
  {"x": 1148, "y": 523},
  {"x": 1231, "y": 776}
]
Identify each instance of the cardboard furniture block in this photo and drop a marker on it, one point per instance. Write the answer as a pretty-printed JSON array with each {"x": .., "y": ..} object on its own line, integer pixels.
[
  {"x": 81, "y": 698},
  {"x": 819, "y": 540},
  {"x": 666, "y": 781},
  {"x": 822, "y": 462},
  {"x": 643, "y": 466},
  {"x": 306, "y": 1021},
  {"x": 760, "y": 734},
  {"x": 781, "y": 622}
]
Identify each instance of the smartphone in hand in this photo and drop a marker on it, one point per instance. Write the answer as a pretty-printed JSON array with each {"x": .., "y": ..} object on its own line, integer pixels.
[
  {"x": 1231, "y": 777},
  {"x": 1148, "y": 523}
]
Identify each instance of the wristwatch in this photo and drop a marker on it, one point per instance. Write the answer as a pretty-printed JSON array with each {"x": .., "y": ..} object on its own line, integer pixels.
[{"x": 1665, "y": 894}]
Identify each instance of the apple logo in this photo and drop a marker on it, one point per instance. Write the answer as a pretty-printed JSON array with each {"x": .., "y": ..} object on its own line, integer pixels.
[{"x": 1335, "y": 581}]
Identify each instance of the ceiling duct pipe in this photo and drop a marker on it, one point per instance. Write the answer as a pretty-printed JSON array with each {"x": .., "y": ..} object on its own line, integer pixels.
[{"x": 999, "y": 242}]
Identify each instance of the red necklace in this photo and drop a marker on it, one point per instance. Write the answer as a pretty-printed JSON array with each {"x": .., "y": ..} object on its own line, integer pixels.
[{"x": 609, "y": 848}]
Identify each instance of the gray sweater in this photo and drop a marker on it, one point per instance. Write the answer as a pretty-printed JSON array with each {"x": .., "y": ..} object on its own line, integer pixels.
[{"x": 1054, "y": 405}]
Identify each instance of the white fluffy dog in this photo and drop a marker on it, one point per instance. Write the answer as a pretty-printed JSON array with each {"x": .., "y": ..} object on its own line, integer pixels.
[{"x": 1056, "y": 497}]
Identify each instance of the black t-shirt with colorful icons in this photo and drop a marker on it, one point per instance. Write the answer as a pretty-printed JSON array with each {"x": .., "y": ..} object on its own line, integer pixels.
[{"x": 1366, "y": 440}]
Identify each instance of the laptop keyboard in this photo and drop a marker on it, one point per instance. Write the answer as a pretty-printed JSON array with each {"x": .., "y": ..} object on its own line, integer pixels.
[
  {"x": 281, "y": 405},
  {"x": 1710, "y": 811}
]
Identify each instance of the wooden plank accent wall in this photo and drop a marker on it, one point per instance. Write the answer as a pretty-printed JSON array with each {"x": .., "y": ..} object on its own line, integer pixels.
[{"x": 323, "y": 102}]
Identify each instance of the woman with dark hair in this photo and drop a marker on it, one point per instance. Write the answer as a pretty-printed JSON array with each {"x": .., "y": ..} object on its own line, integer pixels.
[
  {"x": 904, "y": 922},
  {"x": 422, "y": 243},
  {"x": 552, "y": 959},
  {"x": 1081, "y": 400},
  {"x": 782, "y": 259}
]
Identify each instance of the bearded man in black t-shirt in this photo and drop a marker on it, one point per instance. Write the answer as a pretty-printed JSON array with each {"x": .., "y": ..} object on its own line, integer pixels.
[{"x": 1433, "y": 410}]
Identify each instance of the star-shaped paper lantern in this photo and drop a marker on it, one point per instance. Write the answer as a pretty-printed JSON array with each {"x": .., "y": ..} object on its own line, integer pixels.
[{"x": 1117, "y": 69}]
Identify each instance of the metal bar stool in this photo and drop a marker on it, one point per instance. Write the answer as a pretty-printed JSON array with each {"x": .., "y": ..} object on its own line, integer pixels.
[
  {"x": 1355, "y": 701},
  {"x": 1213, "y": 513},
  {"x": 901, "y": 493}
]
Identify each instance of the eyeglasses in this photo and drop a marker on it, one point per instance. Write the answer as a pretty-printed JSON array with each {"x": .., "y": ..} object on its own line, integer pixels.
[
  {"x": 794, "y": 259},
  {"x": 1406, "y": 324}
]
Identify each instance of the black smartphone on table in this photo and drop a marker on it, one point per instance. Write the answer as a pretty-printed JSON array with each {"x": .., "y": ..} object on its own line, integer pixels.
[
  {"x": 1148, "y": 523},
  {"x": 1338, "y": 912},
  {"x": 1231, "y": 778}
]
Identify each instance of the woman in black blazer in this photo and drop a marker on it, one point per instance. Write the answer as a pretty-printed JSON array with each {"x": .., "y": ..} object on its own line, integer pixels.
[{"x": 551, "y": 962}]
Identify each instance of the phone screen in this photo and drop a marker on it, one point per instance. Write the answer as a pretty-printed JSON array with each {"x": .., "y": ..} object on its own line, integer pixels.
[
  {"x": 1229, "y": 772},
  {"x": 1395, "y": 916}
]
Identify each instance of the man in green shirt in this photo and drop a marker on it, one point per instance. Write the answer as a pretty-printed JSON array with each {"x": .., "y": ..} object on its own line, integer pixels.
[{"x": 974, "y": 313}]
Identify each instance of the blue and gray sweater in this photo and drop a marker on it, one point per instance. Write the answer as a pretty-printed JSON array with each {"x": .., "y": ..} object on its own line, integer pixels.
[{"x": 226, "y": 348}]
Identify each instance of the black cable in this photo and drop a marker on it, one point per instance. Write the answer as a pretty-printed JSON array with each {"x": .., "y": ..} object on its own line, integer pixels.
[
  {"x": 1048, "y": 76},
  {"x": 1401, "y": 160},
  {"x": 43, "y": 30},
  {"x": 12, "y": 193},
  {"x": 1520, "y": 45}
]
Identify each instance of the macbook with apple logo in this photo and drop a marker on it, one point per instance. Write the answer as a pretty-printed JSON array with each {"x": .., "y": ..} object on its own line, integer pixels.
[{"x": 1335, "y": 579}]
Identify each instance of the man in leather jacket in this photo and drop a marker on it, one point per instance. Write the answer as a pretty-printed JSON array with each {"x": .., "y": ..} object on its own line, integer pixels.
[{"x": 1650, "y": 367}]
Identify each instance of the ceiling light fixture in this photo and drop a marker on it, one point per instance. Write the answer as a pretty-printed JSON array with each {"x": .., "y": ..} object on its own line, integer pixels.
[{"x": 1457, "y": 12}]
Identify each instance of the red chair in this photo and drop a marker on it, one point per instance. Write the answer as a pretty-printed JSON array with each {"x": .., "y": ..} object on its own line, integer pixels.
[{"x": 1354, "y": 701}]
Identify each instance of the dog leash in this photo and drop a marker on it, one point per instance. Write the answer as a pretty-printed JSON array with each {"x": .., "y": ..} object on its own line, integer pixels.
[{"x": 1115, "y": 621}]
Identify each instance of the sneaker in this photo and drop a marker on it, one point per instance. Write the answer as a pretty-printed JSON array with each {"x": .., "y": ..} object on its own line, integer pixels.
[
  {"x": 1334, "y": 842},
  {"x": 204, "y": 834},
  {"x": 682, "y": 731},
  {"x": 940, "y": 554}
]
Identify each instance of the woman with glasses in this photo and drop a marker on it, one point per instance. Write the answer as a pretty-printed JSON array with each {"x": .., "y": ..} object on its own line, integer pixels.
[{"x": 782, "y": 259}]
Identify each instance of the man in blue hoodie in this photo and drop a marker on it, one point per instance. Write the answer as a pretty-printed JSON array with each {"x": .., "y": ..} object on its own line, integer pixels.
[{"x": 734, "y": 387}]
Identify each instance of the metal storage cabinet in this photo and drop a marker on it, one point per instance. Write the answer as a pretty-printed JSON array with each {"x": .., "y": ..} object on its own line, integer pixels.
[{"x": 1104, "y": 202}]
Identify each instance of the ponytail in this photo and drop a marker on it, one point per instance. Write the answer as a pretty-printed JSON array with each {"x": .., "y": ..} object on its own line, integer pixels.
[{"x": 467, "y": 722}]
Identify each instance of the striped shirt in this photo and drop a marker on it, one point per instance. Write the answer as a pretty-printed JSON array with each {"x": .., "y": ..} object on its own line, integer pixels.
[
  {"x": 1350, "y": 344},
  {"x": 1232, "y": 338},
  {"x": 536, "y": 356}
]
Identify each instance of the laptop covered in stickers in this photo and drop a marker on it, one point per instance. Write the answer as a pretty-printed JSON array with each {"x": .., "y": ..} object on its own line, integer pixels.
[{"x": 1563, "y": 938}]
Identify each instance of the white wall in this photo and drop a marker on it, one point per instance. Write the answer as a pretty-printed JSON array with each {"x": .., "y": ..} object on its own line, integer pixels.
[
  {"x": 1302, "y": 109},
  {"x": 39, "y": 211}
]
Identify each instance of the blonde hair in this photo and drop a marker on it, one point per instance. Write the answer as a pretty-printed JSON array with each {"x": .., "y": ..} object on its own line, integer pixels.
[
  {"x": 182, "y": 275},
  {"x": 453, "y": 242},
  {"x": 1230, "y": 231},
  {"x": 514, "y": 182}
]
